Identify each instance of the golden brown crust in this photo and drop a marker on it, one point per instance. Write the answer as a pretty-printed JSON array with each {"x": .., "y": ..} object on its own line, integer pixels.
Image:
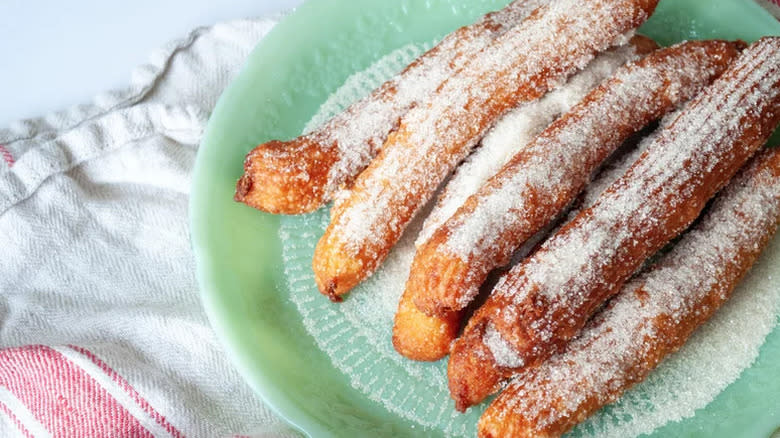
[
  {"x": 299, "y": 175},
  {"x": 418, "y": 336},
  {"x": 446, "y": 277},
  {"x": 366, "y": 225},
  {"x": 536, "y": 404},
  {"x": 544, "y": 302},
  {"x": 472, "y": 369},
  {"x": 278, "y": 179}
]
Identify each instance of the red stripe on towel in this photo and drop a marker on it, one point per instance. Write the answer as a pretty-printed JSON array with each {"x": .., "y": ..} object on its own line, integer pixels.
[
  {"x": 16, "y": 421},
  {"x": 119, "y": 380},
  {"x": 62, "y": 396},
  {"x": 7, "y": 157}
]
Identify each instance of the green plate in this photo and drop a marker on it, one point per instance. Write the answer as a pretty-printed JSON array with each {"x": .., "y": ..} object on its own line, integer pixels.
[{"x": 238, "y": 250}]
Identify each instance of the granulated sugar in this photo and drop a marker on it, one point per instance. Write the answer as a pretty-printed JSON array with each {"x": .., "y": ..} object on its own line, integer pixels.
[
  {"x": 518, "y": 66},
  {"x": 642, "y": 211},
  {"x": 615, "y": 347},
  {"x": 514, "y": 131},
  {"x": 356, "y": 333},
  {"x": 359, "y": 131}
]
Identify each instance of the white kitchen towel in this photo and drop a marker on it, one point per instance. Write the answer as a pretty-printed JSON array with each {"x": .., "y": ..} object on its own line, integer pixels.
[{"x": 102, "y": 331}]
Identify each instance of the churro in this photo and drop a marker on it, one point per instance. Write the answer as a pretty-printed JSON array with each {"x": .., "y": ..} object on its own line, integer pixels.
[
  {"x": 501, "y": 351},
  {"x": 519, "y": 127},
  {"x": 422, "y": 337},
  {"x": 298, "y": 176},
  {"x": 546, "y": 175},
  {"x": 652, "y": 316},
  {"x": 545, "y": 301},
  {"x": 520, "y": 65}
]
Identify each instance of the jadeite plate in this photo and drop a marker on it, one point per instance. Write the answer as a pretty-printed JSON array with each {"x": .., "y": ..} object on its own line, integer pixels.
[{"x": 238, "y": 250}]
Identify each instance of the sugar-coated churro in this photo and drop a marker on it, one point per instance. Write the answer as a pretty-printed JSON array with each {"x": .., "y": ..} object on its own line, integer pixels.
[
  {"x": 428, "y": 337},
  {"x": 520, "y": 65},
  {"x": 652, "y": 316},
  {"x": 547, "y": 174},
  {"x": 300, "y": 175},
  {"x": 545, "y": 301}
]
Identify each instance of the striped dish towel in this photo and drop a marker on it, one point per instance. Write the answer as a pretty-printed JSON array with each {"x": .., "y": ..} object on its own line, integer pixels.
[{"x": 102, "y": 332}]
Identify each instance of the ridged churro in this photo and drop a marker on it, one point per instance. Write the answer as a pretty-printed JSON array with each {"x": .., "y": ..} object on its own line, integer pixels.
[
  {"x": 520, "y": 65},
  {"x": 422, "y": 337},
  {"x": 298, "y": 176},
  {"x": 517, "y": 128},
  {"x": 544, "y": 302},
  {"x": 473, "y": 339},
  {"x": 652, "y": 316},
  {"x": 546, "y": 175}
]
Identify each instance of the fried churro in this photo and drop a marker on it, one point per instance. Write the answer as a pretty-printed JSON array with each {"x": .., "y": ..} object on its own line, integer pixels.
[
  {"x": 422, "y": 337},
  {"x": 544, "y": 302},
  {"x": 300, "y": 175},
  {"x": 652, "y": 316},
  {"x": 521, "y": 65},
  {"x": 545, "y": 176}
]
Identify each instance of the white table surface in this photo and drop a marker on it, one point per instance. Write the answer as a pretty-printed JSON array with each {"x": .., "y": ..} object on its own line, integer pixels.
[{"x": 55, "y": 54}]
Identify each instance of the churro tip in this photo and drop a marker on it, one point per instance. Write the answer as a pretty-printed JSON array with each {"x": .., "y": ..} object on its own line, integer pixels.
[
  {"x": 400, "y": 345},
  {"x": 472, "y": 371},
  {"x": 406, "y": 347},
  {"x": 740, "y": 45},
  {"x": 331, "y": 291},
  {"x": 243, "y": 187}
]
